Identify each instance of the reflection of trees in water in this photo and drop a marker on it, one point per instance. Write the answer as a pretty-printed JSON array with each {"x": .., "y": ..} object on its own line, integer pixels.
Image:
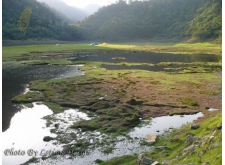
[
  {"x": 14, "y": 76},
  {"x": 152, "y": 58}
]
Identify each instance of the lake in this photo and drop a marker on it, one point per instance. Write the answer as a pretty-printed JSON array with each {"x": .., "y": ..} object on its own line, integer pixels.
[
  {"x": 119, "y": 61},
  {"x": 15, "y": 78}
]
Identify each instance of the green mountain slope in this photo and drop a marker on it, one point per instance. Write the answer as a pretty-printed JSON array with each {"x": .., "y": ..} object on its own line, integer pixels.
[
  {"x": 207, "y": 22},
  {"x": 154, "y": 19},
  {"x": 41, "y": 23},
  {"x": 137, "y": 20}
]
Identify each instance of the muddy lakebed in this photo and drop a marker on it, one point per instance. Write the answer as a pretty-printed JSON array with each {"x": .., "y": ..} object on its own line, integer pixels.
[{"x": 85, "y": 130}]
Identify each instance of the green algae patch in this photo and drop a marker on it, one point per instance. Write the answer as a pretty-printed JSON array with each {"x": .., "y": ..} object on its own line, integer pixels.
[
  {"x": 28, "y": 98},
  {"x": 110, "y": 119},
  {"x": 188, "y": 101}
]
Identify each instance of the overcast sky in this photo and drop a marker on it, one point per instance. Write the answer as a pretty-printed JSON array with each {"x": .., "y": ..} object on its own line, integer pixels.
[{"x": 83, "y": 3}]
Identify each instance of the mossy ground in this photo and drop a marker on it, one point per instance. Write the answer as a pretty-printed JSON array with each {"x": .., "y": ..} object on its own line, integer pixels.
[{"x": 110, "y": 93}]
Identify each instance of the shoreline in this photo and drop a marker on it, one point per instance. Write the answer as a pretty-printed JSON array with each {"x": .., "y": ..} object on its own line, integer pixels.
[
  {"x": 121, "y": 97},
  {"x": 102, "y": 91}
]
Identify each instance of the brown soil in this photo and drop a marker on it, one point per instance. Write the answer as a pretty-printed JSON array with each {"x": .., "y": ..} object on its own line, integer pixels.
[{"x": 153, "y": 98}]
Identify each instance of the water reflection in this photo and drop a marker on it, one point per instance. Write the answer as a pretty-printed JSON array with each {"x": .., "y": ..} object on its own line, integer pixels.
[
  {"x": 150, "y": 57},
  {"x": 127, "y": 146},
  {"x": 16, "y": 76},
  {"x": 159, "y": 124},
  {"x": 25, "y": 135}
]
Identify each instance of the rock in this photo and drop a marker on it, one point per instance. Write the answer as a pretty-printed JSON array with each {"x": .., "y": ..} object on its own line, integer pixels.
[
  {"x": 219, "y": 127},
  {"x": 206, "y": 163},
  {"x": 189, "y": 138},
  {"x": 161, "y": 148},
  {"x": 214, "y": 133},
  {"x": 134, "y": 102},
  {"x": 214, "y": 146},
  {"x": 166, "y": 162},
  {"x": 198, "y": 142},
  {"x": 56, "y": 125},
  {"x": 142, "y": 159},
  {"x": 146, "y": 161},
  {"x": 211, "y": 139},
  {"x": 201, "y": 153},
  {"x": 194, "y": 126},
  {"x": 139, "y": 158},
  {"x": 155, "y": 163},
  {"x": 151, "y": 138},
  {"x": 189, "y": 148},
  {"x": 203, "y": 143},
  {"x": 48, "y": 138}
]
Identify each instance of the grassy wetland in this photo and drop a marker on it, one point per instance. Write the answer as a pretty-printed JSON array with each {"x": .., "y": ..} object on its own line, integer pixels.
[{"x": 120, "y": 97}]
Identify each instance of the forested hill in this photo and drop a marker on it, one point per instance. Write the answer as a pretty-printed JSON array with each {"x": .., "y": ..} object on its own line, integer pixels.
[
  {"x": 25, "y": 19},
  {"x": 156, "y": 19},
  {"x": 199, "y": 20}
]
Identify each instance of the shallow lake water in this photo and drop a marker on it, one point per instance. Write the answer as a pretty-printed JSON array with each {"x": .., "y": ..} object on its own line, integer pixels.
[
  {"x": 15, "y": 78},
  {"x": 150, "y": 57},
  {"x": 126, "y": 146},
  {"x": 24, "y": 138}
]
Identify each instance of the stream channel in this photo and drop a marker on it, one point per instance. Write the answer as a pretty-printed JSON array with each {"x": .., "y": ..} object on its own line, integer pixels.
[{"x": 24, "y": 128}]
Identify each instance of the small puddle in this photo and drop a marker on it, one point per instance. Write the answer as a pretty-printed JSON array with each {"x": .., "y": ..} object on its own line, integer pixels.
[
  {"x": 160, "y": 124},
  {"x": 212, "y": 109}
]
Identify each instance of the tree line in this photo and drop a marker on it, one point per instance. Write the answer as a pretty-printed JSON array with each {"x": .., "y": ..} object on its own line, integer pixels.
[
  {"x": 44, "y": 22},
  {"x": 156, "y": 19},
  {"x": 121, "y": 21}
]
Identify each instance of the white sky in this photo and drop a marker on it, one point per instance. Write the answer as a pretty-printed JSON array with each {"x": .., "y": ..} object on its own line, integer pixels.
[{"x": 83, "y": 3}]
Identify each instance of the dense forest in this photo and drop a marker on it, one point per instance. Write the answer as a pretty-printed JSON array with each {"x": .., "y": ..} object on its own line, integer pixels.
[
  {"x": 123, "y": 21},
  {"x": 44, "y": 22},
  {"x": 156, "y": 19}
]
